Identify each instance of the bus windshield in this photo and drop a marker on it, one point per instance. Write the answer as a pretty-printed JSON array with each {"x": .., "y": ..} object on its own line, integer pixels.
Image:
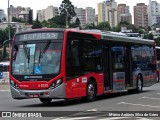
[{"x": 36, "y": 58}]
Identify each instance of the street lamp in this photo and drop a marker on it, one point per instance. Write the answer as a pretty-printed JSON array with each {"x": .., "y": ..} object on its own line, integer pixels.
[
  {"x": 9, "y": 32},
  {"x": 112, "y": 16},
  {"x": 66, "y": 18}
]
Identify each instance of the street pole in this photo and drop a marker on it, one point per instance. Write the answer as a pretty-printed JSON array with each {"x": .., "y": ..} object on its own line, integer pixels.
[
  {"x": 8, "y": 23},
  {"x": 66, "y": 18},
  {"x": 9, "y": 33}
]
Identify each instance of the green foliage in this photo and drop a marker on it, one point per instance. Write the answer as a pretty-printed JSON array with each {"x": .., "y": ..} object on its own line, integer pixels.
[
  {"x": 14, "y": 19},
  {"x": 148, "y": 36},
  {"x": 4, "y": 36},
  {"x": 90, "y": 26},
  {"x": 37, "y": 24},
  {"x": 117, "y": 28},
  {"x": 124, "y": 23},
  {"x": 67, "y": 9},
  {"x": 158, "y": 41},
  {"x": 78, "y": 23},
  {"x": 30, "y": 21},
  {"x": 104, "y": 26},
  {"x": 58, "y": 20}
]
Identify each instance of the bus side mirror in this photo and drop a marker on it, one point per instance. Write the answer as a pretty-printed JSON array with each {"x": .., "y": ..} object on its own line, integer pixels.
[{"x": 74, "y": 43}]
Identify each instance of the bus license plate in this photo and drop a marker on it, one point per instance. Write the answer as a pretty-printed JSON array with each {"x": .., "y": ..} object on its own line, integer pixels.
[{"x": 33, "y": 95}]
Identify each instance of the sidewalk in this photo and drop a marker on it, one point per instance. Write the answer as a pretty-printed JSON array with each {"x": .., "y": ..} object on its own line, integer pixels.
[{"x": 4, "y": 86}]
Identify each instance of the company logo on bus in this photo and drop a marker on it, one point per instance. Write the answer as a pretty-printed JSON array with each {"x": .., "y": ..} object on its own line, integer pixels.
[{"x": 32, "y": 77}]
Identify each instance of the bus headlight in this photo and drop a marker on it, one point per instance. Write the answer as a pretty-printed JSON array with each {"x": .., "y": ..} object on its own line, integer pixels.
[
  {"x": 13, "y": 84},
  {"x": 53, "y": 85},
  {"x": 56, "y": 83},
  {"x": 59, "y": 82}
]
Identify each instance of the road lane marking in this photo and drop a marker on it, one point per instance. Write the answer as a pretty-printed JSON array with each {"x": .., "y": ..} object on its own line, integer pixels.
[
  {"x": 139, "y": 105},
  {"x": 150, "y": 98},
  {"x": 74, "y": 118},
  {"x": 113, "y": 118},
  {"x": 4, "y": 90},
  {"x": 92, "y": 110},
  {"x": 145, "y": 119}
]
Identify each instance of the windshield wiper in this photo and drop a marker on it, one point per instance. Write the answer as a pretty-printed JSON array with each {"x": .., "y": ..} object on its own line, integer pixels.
[
  {"x": 15, "y": 52},
  {"x": 27, "y": 53},
  {"x": 43, "y": 51}
]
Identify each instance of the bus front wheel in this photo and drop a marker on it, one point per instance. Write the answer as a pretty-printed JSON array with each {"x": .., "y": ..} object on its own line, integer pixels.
[
  {"x": 91, "y": 91},
  {"x": 45, "y": 100}
]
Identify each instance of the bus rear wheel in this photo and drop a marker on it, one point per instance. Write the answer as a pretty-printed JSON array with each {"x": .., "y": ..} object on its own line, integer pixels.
[
  {"x": 91, "y": 91},
  {"x": 45, "y": 100},
  {"x": 139, "y": 88}
]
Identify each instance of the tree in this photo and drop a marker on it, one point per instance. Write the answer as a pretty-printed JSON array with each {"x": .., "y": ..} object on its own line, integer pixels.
[
  {"x": 59, "y": 20},
  {"x": 104, "y": 26},
  {"x": 14, "y": 19},
  {"x": 148, "y": 36},
  {"x": 90, "y": 26},
  {"x": 37, "y": 24},
  {"x": 67, "y": 9},
  {"x": 117, "y": 28},
  {"x": 30, "y": 21},
  {"x": 78, "y": 22},
  {"x": 157, "y": 41}
]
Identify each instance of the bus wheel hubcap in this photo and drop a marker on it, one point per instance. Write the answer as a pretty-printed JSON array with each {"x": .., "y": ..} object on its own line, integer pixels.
[
  {"x": 139, "y": 84},
  {"x": 91, "y": 90}
]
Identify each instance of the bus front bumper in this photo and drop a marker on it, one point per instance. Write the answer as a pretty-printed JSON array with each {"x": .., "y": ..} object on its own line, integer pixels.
[{"x": 58, "y": 92}]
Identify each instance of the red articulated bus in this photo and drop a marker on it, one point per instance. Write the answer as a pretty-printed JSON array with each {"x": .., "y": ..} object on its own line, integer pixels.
[{"x": 65, "y": 64}]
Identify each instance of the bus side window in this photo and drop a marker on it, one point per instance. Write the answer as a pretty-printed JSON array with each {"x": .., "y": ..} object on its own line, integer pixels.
[{"x": 73, "y": 66}]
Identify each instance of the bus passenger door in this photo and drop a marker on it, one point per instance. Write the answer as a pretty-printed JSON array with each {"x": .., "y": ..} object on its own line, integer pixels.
[
  {"x": 128, "y": 67},
  {"x": 118, "y": 67},
  {"x": 107, "y": 68}
]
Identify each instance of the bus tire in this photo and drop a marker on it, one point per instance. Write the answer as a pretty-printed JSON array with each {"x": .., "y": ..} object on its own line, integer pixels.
[
  {"x": 91, "y": 91},
  {"x": 157, "y": 79},
  {"x": 139, "y": 84},
  {"x": 45, "y": 100}
]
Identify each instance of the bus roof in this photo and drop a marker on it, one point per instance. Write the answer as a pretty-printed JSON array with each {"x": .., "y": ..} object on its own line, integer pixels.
[
  {"x": 126, "y": 39},
  {"x": 111, "y": 36},
  {"x": 157, "y": 47},
  {"x": 4, "y": 63},
  {"x": 40, "y": 30}
]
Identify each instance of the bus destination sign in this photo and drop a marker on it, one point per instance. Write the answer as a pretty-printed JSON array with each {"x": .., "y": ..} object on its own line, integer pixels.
[{"x": 38, "y": 36}]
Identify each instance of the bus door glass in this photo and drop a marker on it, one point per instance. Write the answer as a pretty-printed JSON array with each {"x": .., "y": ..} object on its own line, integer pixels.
[
  {"x": 118, "y": 69},
  {"x": 107, "y": 68}
]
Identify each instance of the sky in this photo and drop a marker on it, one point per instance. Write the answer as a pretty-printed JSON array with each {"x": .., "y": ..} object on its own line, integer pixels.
[{"x": 42, "y": 4}]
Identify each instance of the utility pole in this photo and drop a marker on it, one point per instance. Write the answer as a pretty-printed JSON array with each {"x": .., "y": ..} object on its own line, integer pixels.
[
  {"x": 9, "y": 36},
  {"x": 9, "y": 32},
  {"x": 66, "y": 18},
  {"x": 112, "y": 17}
]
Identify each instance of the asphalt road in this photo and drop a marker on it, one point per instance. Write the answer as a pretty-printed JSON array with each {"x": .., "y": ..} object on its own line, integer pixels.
[{"x": 149, "y": 100}]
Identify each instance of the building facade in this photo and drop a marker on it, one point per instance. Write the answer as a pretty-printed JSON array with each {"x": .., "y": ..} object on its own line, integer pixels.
[
  {"x": 25, "y": 14},
  {"x": 153, "y": 12},
  {"x": 41, "y": 15},
  {"x": 140, "y": 15},
  {"x": 19, "y": 12},
  {"x": 81, "y": 14},
  {"x": 50, "y": 12},
  {"x": 19, "y": 27},
  {"x": 47, "y": 13},
  {"x": 90, "y": 15},
  {"x": 2, "y": 15},
  {"x": 124, "y": 13},
  {"x": 107, "y": 11}
]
